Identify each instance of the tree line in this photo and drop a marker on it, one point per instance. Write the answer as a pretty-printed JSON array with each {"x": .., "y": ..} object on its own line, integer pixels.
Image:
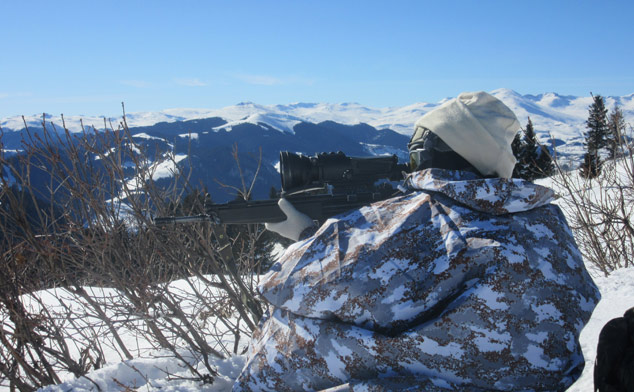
[
  {"x": 604, "y": 140},
  {"x": 604, "y": 137}
]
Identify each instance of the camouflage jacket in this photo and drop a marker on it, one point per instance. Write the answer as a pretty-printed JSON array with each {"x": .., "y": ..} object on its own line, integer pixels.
[{"x": 464, "y": 283}]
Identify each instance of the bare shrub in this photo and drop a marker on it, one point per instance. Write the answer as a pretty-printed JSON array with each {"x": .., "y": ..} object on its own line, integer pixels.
[
  {"x": 600, "y": 209},
  {"x": 76, "y": 219}
]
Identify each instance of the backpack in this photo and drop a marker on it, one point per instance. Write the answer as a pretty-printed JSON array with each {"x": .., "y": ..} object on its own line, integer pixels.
[{"x": 614, "y": 365}]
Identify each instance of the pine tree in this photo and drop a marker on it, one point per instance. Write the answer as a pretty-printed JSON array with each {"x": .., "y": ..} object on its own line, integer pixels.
[
  {"x": 616, "y": 126},
  {"x": 597, "y": 124},
  {"x": 533, "y": 160},
  {"x": 596, "y": 136},
  {"x": 545, "y": 162},
  {"x": 591, "y": 166},
  {"x": 516, "y": 146},
  {"x": 521, "y": 166},
  {"x": 530, "y": 143}
]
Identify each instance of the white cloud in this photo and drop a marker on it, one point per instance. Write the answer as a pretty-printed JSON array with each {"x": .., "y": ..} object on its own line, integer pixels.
[{"x": 4, "y": 95}]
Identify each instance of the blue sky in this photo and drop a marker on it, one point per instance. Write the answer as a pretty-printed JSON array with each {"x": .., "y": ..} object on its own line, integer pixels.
[{"x": 86, "y": 57}]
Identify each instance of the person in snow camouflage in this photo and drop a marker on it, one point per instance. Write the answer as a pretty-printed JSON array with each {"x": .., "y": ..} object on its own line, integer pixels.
[{"x": 471, "y": 281}]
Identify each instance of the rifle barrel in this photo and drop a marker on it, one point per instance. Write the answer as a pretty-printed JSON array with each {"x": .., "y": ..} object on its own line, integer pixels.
[
  {"x": 317, "y": 207},
  {"x": 177, "y": 220}
]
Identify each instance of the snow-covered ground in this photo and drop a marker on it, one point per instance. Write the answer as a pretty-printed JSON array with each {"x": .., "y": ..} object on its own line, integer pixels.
[
  {"x": 152, "y": 374},
  {"x": 157, "y": 372},
  {"x": 154, "y": 371},
  {"x": 562, "y": 116},
  {"x": 617, "y": 295}
]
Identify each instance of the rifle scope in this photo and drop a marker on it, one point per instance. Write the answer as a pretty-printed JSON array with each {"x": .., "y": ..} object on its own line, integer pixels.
[{"x": 335, "y": 168}]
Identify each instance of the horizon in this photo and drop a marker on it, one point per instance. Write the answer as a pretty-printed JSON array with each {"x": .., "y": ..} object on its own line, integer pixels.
[
  {"x": 178, "y": 111},
  {"x": 86, "y": 59}
]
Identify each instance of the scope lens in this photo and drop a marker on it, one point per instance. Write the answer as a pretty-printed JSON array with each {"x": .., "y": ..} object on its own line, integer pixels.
[{"x": 295, "y": 170}]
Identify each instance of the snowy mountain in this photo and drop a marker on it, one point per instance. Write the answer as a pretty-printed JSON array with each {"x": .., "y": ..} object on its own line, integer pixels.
[
  {"x": 563, "y": 116},
  {"x": 281, "y": 117},
  {"x": 210, "y": 134}
]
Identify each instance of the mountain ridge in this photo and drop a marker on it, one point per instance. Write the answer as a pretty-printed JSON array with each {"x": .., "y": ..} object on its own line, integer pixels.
[
  {"x": 548, "y": 111},
  {"x": 209, "y": 136}
]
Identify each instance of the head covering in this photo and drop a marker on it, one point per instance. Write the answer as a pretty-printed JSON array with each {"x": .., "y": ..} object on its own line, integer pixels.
[{"x": 477, "y": 126}]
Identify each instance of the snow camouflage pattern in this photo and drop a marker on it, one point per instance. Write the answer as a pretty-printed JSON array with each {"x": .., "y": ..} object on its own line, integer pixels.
[{"x": 464, "y": 284}]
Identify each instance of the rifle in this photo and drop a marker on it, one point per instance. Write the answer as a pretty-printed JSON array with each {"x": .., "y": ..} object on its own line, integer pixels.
[{"x": 320, "y": 186}]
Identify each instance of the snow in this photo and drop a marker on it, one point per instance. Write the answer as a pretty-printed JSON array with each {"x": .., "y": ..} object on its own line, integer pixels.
[
  {"x": 562, "y": 116},
  {"x": 144, "y": 135},
  {"x": 274, "y": 120},
  {"x": 192, "y": 136},
  {"x": 167, "y": 168},
  {"x": 617, "y": 295},
  {"x": 150, "y": 373},
  {"x": 376, "y": 149}
]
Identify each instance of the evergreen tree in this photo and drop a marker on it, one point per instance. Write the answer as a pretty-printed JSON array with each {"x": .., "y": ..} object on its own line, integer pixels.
[
  {"x": 516, "y": 146},
  {"x": 597, "y": 124},
  {"x": 591, "y": 166},
  {"x": 533, "y": 160},
  {"x": 521, "y": 169},
  {"x": 616, "y": 126},
  {"x": 596, "y": 136},
  {"x": 545, "y": 162},
  {"x": 530, "y": 143}
]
